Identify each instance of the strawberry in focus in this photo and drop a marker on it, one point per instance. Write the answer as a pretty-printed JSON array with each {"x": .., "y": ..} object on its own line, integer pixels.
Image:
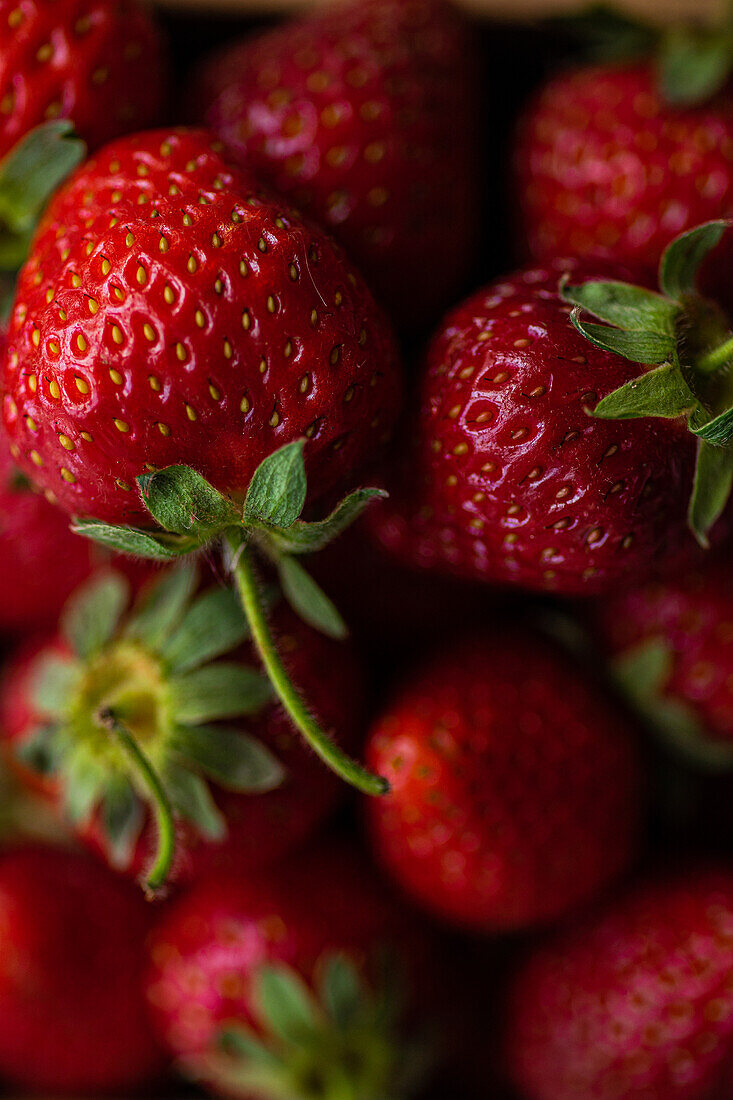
[
  {"x": 633, "y": 1003},
  {"x": 365, "y": 116},
  {"x": 72, "y": 957},
  {"x": 514, "y": 785}
]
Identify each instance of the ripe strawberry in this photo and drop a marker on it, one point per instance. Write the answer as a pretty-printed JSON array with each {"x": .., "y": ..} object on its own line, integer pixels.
[
  {"x": 365, "y": 116},
  {"x": 518, "y": 473},
  {"x": 271, "y": 984},
  {"x": 635, "y": 1003},
  {"x": 71, "y": 996},
  {"x": 98, "y": 63},
  {"x": 671, "y": 643},
  {"x": 514, "y": 785},
  {"x": 258, "y": 807}
]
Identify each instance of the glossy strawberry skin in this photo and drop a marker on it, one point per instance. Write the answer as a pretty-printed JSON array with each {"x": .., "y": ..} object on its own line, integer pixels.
[
  {"x": 261, "y": 828},
  {"x": 604, "y": 167},
  {"x": 71, "y": 968},
  {"x": 509, "y": 479},
  {"x": 169, "y": 315},
  {"x": 692, "y": 615},
  {"x": 216, "y": 936},
  {"x": 514, "y": 785},
  {"x": 365, "y": 116},
  {"x": 635, "y": 1003},
  {"x": 100, "y": 64}
]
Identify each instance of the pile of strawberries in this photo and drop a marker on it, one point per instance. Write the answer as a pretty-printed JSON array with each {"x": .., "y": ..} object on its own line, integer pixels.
[{"x": 366, "y": 719}]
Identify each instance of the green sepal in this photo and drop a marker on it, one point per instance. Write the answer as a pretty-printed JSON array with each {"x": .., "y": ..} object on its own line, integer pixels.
[
  {"x": 163, "y": 605},
  {"x": 277, "y": 491},
  {"x": 308, "y": 599},
  {"x": 233, "y": 759},
  {"x": 192, "y": 800},
  {"x": 239, "y": 1041},
  {"x": 681, "y": 260},
  {"x": 134, "y": 542},
  {"x": 123, "y": 818},
  {"x": 284, "y": 1004},
  {"x": 184, "y": 503},
  {"x": 340, "y": 988},
  {"x": 631, "y": 308},
  {"x": 661, "y": 392},
  {"x": 639, "y": 347},
  {"x": 93, "y": 612},
  {"x": 29, "y": 175},
  {"x": 309, "y": 537},
  {"x": 694, "y": 63},
  {"x": 711, "y": 489},
  {"x": 642, "y": 674},
  {"x": 212, "y": 626},
  {"x": 83, "y": 784},
  {"x": 39, "y": 751},
  {"x": 53, "y": 681},
  {"x": 608, "y": 34},
  {"x": 221, "y": 690}
]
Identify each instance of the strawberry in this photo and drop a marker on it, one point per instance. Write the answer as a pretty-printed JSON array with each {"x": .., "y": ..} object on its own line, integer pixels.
[
  {"x": 71, "y": 996},
  {"x": 514, "y": 785},
  {"x": 271, "y": 984},
  {"x": 365, "y": 116},
  {"x": 518, "y": 473},
  {"x": 172, "y": 325},
  {"x": 150, "y": 673},
  {"x": 671, "y": 648},
  {"x": 96, "y": 62},
  {"x": 635, "y": 1003}
]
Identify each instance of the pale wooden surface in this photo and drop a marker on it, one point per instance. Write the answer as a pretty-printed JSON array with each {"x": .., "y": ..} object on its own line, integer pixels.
[{"x": 662, "y": 10}]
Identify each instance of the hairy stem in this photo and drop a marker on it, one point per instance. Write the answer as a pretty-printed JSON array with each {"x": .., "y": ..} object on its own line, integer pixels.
[
  {"x": 157, "y": 875},
  {"x": 246, "y": 581},
  {"x": 718, "y": 357}
]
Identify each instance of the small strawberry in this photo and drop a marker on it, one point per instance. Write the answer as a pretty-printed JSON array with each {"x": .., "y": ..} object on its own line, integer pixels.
[
  {"x": 616, "y": 159},
  {"x": 671, "y": 646},
  {"x": 514, "y": 785},
  {"x": 72, "y": 957},
  {"x": 96, "y": 62},
  {"x": 547, "y": 453},
  {"x": 637, "y": 1002},
  {"x": 365, "y": 116},
  {"x": 170, "y": 314},
  {"x": 115, "y": 717},
  {"x": 274, "y": 985}
]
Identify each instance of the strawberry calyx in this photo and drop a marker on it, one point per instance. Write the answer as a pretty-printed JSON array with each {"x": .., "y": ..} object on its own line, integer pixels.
[
  {"x": 692, "y": 61},
  {"x": 688, "y": 343},
  {"x": 191, "y": 514},
  {"x": 337, "y": 1040},
  {"x": 131, "y": 710},
  {"x": 643, "y": 674}
]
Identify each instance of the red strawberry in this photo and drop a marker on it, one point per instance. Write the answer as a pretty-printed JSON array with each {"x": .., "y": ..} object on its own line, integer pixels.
[
  {"x": 365, "y": 116},
  {"x": 672, "y": 648},
  {"x": 71, "y": 997},
  {"x": 169, "y": 315},
  {"x": 636, "y": 1003},
  {"x": 247, "y": 820},
  {"x": 97, "y": 63},
  {"x": 518, "y": 473},
  {"x": 280, "y": 970},
  {"x": 514, "y": 785}
]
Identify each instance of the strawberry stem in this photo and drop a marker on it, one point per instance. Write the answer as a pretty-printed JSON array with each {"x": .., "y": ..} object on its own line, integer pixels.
[
  {"x": 243, "y": 571},
  {"x": 718, "y": 357},
  {"x": 157, "y": 875}
]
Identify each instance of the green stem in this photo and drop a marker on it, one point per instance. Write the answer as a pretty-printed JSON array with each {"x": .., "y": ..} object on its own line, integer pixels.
[
  {"x": 246, "y": 581},
  {"x": 157, "y": 875},
  {"x": 718, "y": 357}
]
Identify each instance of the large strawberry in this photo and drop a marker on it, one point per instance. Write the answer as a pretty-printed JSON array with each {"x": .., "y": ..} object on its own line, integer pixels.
[
  {"x": 365, "y": 116},
  {"x": 121, "y": 722},
  {"x": 72, "y": 951},
  {"x": 171, "y": 314},
  {"x": 98, "y": 63},
  {"x": 635, "y": 1003},
  {"x": 514, "y": 785},
  {"x": 277, "y": 984},
  {"x": 616, "y": 159},
  {"x": 547, "y": 452}
]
